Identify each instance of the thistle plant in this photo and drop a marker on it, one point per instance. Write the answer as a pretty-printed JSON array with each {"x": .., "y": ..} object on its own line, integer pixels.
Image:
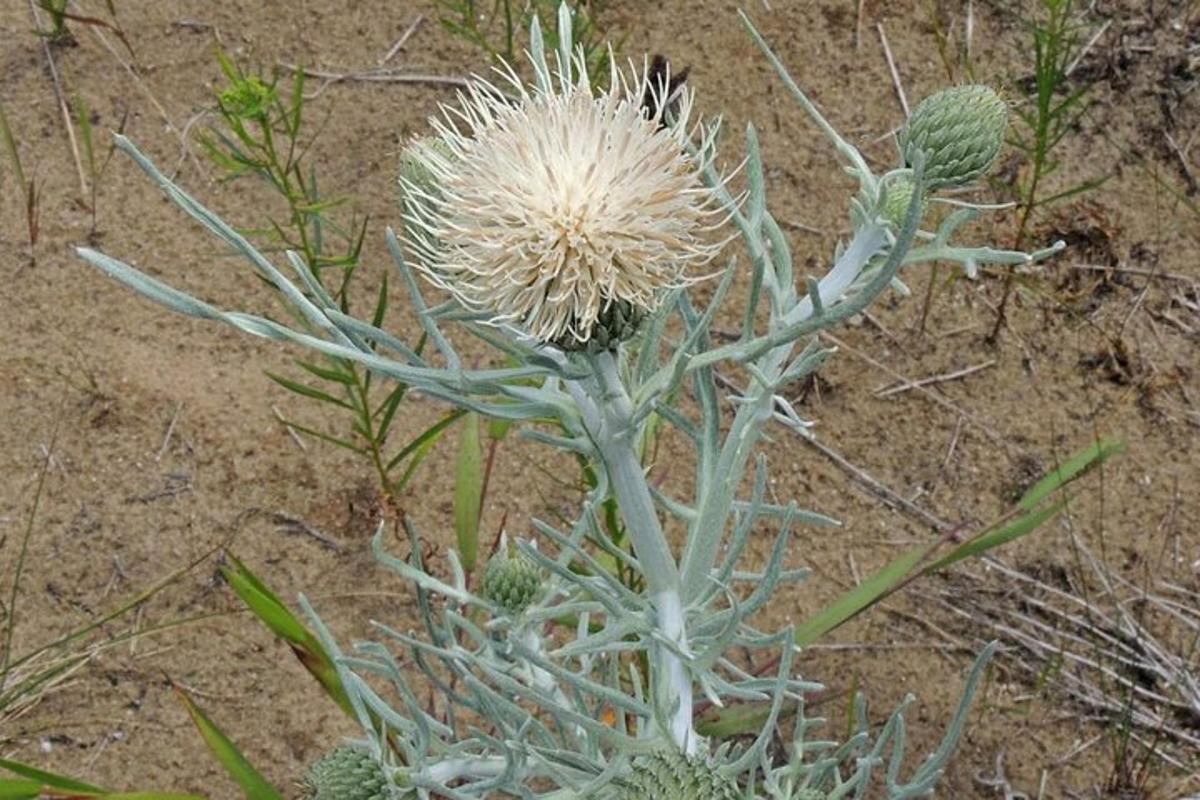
[{"x": 568, "y": 224}]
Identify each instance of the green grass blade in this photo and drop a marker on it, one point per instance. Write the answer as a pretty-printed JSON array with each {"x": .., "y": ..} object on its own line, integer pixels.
[
  {"x": 284, "y": 624},
  {"x": 1074, "y": 467},
  {"x": 864, "y": 595},
  {"x": 468, "y": 490},
  {"x": 253, "y": 784},
  {"x": 49, "y": 778},
  {"x": 995, "y": 537},
  {"x": 20, "y": 790}
]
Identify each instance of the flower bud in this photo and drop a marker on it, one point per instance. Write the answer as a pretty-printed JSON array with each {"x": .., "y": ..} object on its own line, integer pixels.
[
  {"x": 511, "y": 581},
  {"x": 617, "y": 322},
  {"x": 347, "y": 773},
  {"x": 668, "y": 775},
  {"x": 960, "y": 131},
  {"x": 897, "y": 194}
]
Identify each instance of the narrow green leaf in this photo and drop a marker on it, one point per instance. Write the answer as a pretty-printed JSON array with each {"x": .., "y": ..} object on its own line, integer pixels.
[
  {"x": 388, "y": 409},
  {"x": 1074, "y": 467},
  {"x": 49, "y": 778},
  {"x": 425, "y": 440},
  {"x": 283, "y": 623},
  {"x": 332, "y": 375},
  {"x": 468, "y": 489},
  {"x": 1077, "y": 189},
  {"x": 864, "y": 595},
  {"x": 308, "y": 391},
  {"x": 252, "y": 783},
  {"x": 498, "y": 428},
  {"x": 19, "y": 790},
  {"x": 994, "y": 538},
  {"x": 734, "y": 720},
  {"x": 381, "y": 303},
  {"x": 84, "y": 117},
  {"x": 325, "y": 437}
]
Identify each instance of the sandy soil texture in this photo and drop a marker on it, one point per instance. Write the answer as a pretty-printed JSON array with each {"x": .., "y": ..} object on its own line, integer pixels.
[{"x": 163, "y": 445}]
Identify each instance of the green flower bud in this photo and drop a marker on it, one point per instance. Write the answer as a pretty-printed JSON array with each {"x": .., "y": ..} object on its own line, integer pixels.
[
  {"x": 347, "y": 773},
  {"x": 617, "y": 323},
  {"x": 511, "y": 581},
  {"x": 897, "y": 194},
  {"x": 668, "y": 775},
  {"x": 960, "y": 131}
]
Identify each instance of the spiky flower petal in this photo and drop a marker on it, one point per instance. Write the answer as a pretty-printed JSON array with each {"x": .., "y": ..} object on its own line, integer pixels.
[
  {"x": 560, "y": 204},
  {"x": 669, "y": 775},
  {"x": 960, "y": 130},
  {"x": 346, "y": 773}
]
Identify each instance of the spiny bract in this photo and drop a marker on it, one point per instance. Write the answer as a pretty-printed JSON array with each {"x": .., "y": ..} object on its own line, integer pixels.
[
  {"x": 346, "y": 773},
  {"x": 668, "y": 775},
  {"x": 511, "y": 581},
  {"x": 898, "y": 192},
  {"x": 618, "y": 322},
  {"x": 960, "y": 130}
]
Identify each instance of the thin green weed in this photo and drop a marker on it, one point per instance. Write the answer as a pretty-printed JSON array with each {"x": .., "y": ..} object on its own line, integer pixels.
[{"x": 262, "y": 134}]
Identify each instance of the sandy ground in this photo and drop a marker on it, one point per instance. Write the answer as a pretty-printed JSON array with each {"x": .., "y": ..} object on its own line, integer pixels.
[{"x": 164, "y": 446}]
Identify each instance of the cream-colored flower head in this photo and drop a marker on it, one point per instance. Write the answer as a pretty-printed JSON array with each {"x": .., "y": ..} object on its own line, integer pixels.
[{"x": 553, "y": 206}]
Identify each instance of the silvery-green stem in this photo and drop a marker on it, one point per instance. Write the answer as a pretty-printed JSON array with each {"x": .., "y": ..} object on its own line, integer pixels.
[
  {"x": 715, "y": 501},
  {"x": 616, "y": 438},
  {"x": 453, "y": 769}
]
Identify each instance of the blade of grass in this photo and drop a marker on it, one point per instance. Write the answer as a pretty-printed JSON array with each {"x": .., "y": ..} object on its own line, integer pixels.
[
  {"x": 49, "y": 778},
  {"x": 864, "y": 595},
  {"x": 1074, "y": 467},
  {"x": 252, "y": 783},
  {"x": 19, "y": 790},
  {"x": 994, "y": 538},
  {"x": 284, "y": 624}
]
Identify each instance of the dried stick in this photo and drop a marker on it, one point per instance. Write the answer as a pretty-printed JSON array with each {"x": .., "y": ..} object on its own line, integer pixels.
[
  {"x": 62, "y": 101},
  {"x": 404, "y": 37},
  {"x": 891, "y": 62},
  {"x": 885, "y": 391}
]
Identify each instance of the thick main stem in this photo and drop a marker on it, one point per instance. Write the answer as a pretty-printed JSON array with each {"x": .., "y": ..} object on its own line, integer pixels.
[{"x": 616, "y": 436}]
